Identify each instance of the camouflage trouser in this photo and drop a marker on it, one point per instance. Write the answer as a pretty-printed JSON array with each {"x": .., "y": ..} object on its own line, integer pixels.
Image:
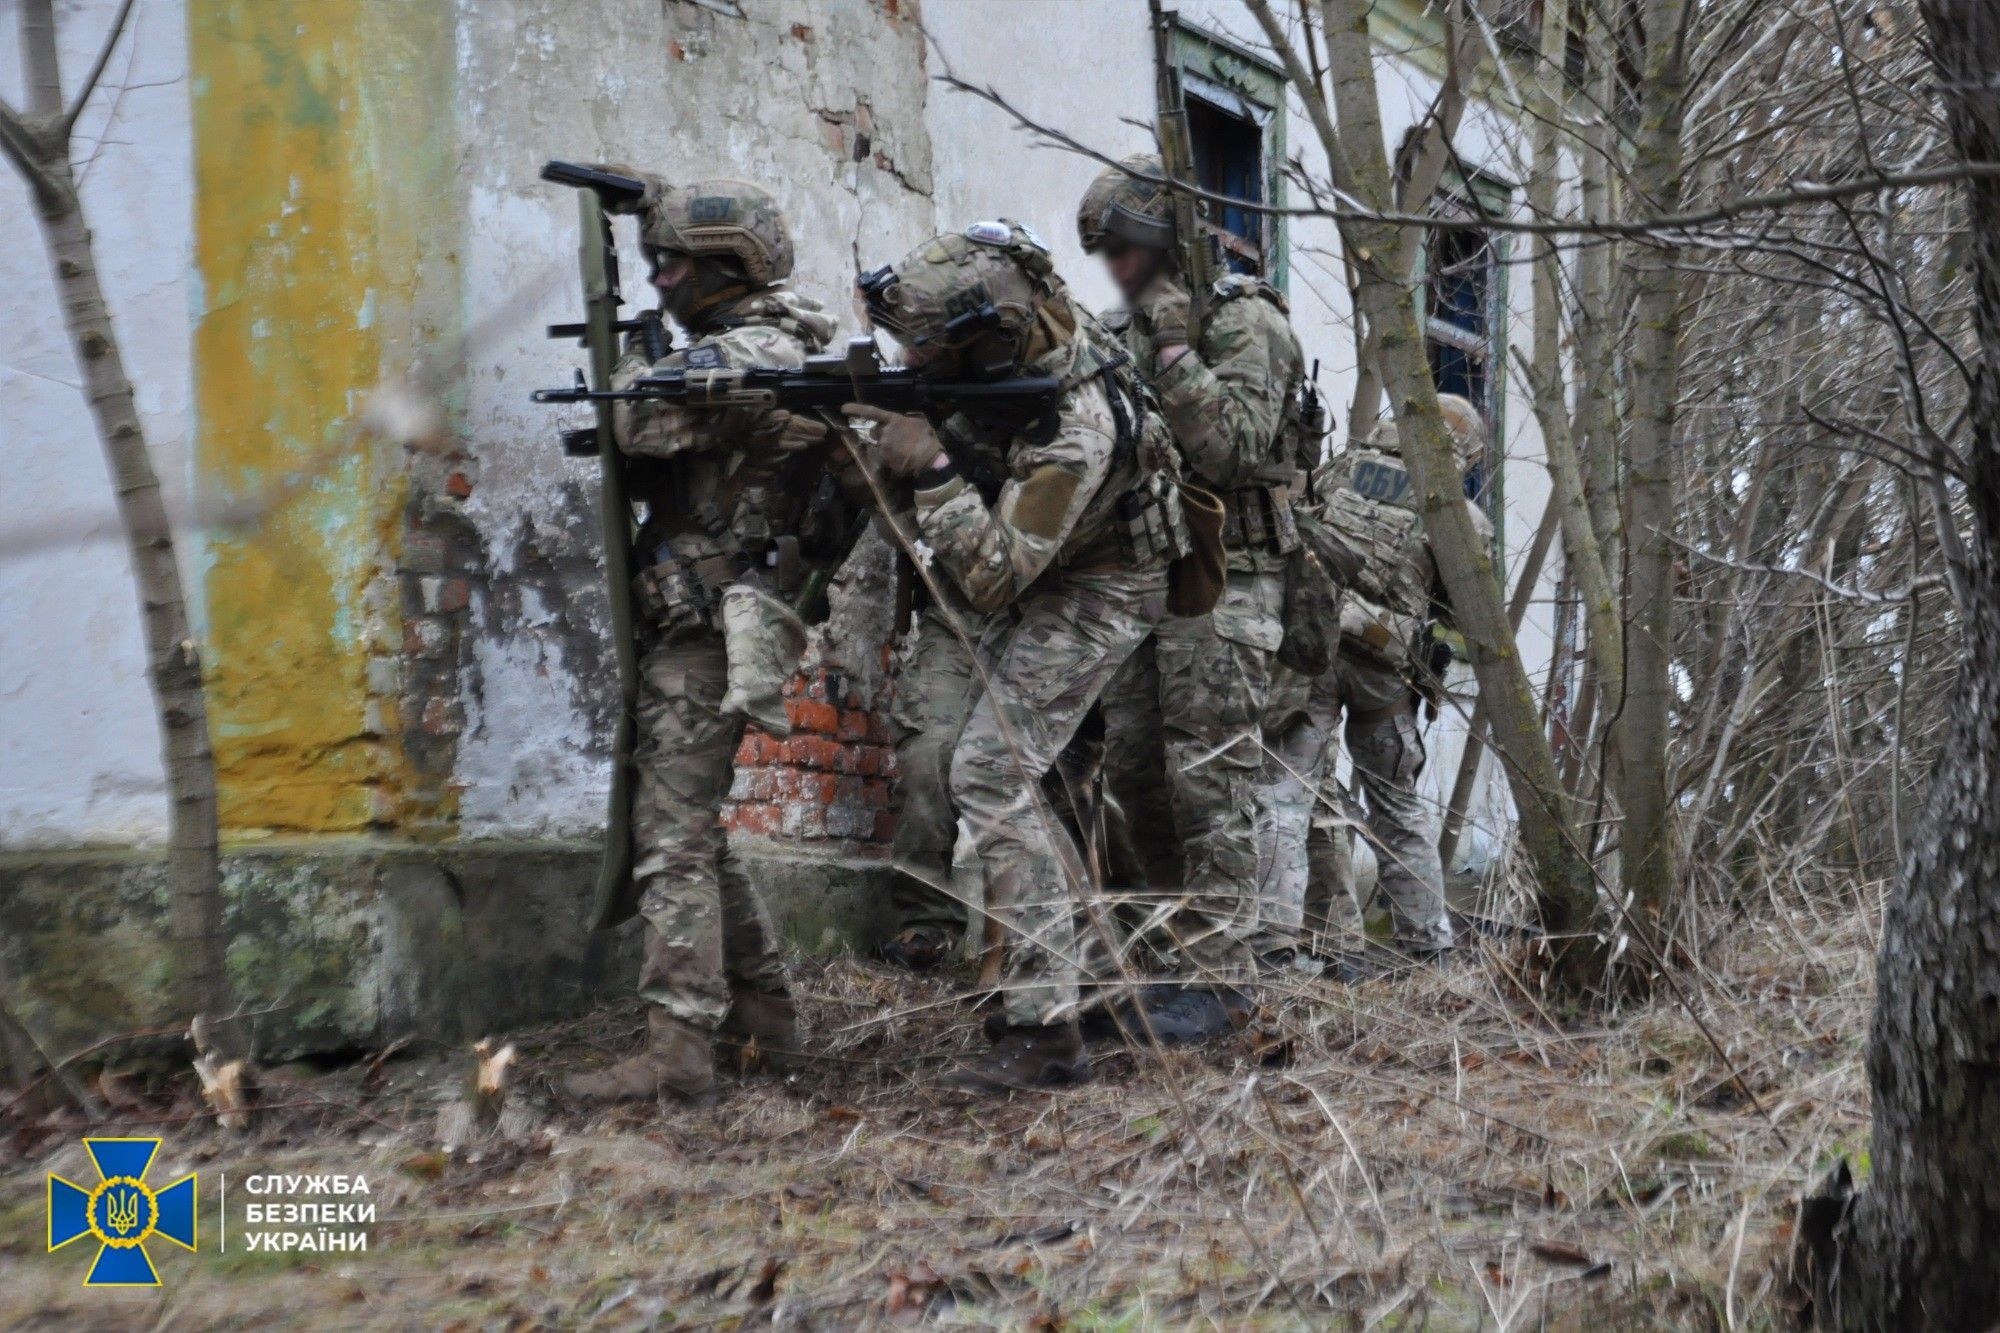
[
  {"x": 1074, "y": 632},
  {"x": 1297, "y": 758},
  {"x": 1182, "y": 756},
  {"x": 705, "y": 924},
  {"x": 935, "y": 690},
  {"x": 1308, "y": 873}
]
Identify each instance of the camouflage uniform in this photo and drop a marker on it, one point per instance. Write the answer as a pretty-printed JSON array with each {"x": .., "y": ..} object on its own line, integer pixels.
[
  {"x": 935, "y": 688},
  {"x": 710, "y": 478},
  {"x": 1051, "y": 548},
  {"x": 1183, "y": 750},
  {"x": 1364, "y": 497}
]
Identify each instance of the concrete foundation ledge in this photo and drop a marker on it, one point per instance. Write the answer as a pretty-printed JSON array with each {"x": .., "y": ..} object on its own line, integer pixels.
[{"x": 355, "y": 942}]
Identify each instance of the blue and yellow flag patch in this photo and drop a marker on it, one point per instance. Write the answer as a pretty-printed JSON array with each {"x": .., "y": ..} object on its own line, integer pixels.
[{"x": 122, "y": 1213}]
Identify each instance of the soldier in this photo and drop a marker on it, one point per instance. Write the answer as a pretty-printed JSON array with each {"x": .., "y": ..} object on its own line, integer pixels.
[
  {"x": 1183, "y": 749},
  {"x": 725, "y": 494},
  {"x": 1366, "y": 497},
  {"x": 1076, "y": 546}
]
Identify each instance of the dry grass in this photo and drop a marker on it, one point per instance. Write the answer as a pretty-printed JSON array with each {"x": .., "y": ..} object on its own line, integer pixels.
[{"x": 1430, "y": 1151}]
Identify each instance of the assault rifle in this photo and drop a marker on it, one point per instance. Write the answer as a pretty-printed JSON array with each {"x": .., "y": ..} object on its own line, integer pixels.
[
  {"x": 821, "y": 386},
  {"x": 1197, "y": 251}
]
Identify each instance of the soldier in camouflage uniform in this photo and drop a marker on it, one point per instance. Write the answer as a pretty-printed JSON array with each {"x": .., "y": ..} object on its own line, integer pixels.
[
  {"x": 1365, "y": 496},
  {"x": 1077, "y": 544},
  {"x": 1183, "y": 750},
  {"x": 724, "y": 494}
]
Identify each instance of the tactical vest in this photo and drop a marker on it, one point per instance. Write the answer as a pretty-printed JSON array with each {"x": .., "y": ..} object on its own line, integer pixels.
[
  {"x": 1136, "y": 515},
  {"x": 1367, "y": 499},
  {"x": 735, "y": 504}
]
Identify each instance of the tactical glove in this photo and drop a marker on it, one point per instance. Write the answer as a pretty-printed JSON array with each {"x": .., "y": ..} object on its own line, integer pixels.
[
  {"x": 1163, "y": 306},
  {"x": 792, "y": 432},
  {"x": 907, "y": 444}
]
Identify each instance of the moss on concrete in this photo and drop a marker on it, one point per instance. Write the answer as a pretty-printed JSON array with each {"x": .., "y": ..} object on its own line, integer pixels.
[{"x": 354, "y": 941}]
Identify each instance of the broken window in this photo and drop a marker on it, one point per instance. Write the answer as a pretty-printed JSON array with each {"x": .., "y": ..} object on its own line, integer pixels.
[{"x": 1238, "y": 140}]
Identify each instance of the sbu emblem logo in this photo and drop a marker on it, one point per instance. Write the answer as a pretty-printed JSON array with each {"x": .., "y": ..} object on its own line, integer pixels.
[{"x": 122, "y": 1213}]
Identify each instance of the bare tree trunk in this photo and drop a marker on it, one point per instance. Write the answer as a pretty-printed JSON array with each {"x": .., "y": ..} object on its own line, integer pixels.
[
  {"x": 1567, "y": 897},
  {"x": 1647, "y": 849},
  {"x": 1915, "y": 1248},
  {"x": 39, "y": 145}
]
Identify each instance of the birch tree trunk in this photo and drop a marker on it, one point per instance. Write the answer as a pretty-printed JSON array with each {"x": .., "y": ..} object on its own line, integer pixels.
[
  {"x": 1915, "y": 1248},
  {"x": 39, "y": 145}
]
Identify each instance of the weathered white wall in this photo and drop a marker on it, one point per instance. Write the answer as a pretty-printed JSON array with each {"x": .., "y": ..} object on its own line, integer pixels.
[
  {"x": 79, "y": 755},
  {"x": 785, "y": 98},
  {"x": 782, "y": 96}
]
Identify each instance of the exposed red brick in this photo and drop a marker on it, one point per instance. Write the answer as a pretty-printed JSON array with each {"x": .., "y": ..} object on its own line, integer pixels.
[
  {"x": 754, "y": 817},
  {"x": 853, "y": 725},
  {"x": 441, "y": 717},
  {"x": 875, "y": 792},
  {"x": 424, "y": 636},
  {"x": 813, "y": 752},
  {"x": 455, "y": 595},
  {"x": 458, "y": 486},
  {"x": 811, "y": 715},
  {"x": 878, "y": 728},
  {"x": 885, "y": 825}
]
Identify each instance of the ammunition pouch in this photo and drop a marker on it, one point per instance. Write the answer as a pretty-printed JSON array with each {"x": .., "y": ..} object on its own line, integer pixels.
[
  {"x": 1151, "y": 524},
  {"x": 1259, "y": 518},
  {"x": 679, "y": 597}
]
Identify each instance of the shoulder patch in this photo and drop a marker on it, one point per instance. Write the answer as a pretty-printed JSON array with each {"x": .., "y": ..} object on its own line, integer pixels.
[
  {"x": 704, "y": 356},
  {"x": 1042, "y": 502}
]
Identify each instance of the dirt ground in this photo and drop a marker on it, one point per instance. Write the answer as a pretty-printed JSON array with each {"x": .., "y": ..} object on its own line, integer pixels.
[{"x": 1429, "y": 1151}]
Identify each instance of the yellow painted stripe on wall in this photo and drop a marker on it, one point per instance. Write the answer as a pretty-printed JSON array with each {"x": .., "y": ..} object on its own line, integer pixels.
[{"x": 309, "y": 259}]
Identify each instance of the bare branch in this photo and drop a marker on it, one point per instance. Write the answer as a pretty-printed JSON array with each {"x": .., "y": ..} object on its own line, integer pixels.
[{"x": 89, "y": 84}]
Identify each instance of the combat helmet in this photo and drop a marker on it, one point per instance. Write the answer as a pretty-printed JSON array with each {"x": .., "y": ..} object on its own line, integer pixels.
[
  {"x": 971, "y": 296},
  {"x": 722, "y": 219},
  {"x": 1461, "y": 418},
  {"x": 1122, "y": 206}
]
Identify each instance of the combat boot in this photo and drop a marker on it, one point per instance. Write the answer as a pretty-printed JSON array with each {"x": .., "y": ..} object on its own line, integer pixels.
[
  {"x": 1025, "y": 1057},
  {"x": 1182, "y": 1015},
  {"x": 918, "y": 949},
  {"x": 762, "y": 1029},
  {"x": 676, "y": 1063}
]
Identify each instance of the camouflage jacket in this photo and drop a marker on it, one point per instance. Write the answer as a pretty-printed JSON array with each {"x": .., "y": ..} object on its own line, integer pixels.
[
  {"x": 726, "y": 482},
  {"x": 1063, "y": 477},
  {"x": 1232, "y": 401}
]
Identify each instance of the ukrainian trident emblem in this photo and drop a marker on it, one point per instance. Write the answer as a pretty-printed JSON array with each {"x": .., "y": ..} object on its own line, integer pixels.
[{"x": 122, "y": 1213}]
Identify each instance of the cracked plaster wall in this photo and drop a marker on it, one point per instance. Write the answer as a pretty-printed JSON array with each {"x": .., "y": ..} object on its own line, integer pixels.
[{"x": 821, "y": 102}]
